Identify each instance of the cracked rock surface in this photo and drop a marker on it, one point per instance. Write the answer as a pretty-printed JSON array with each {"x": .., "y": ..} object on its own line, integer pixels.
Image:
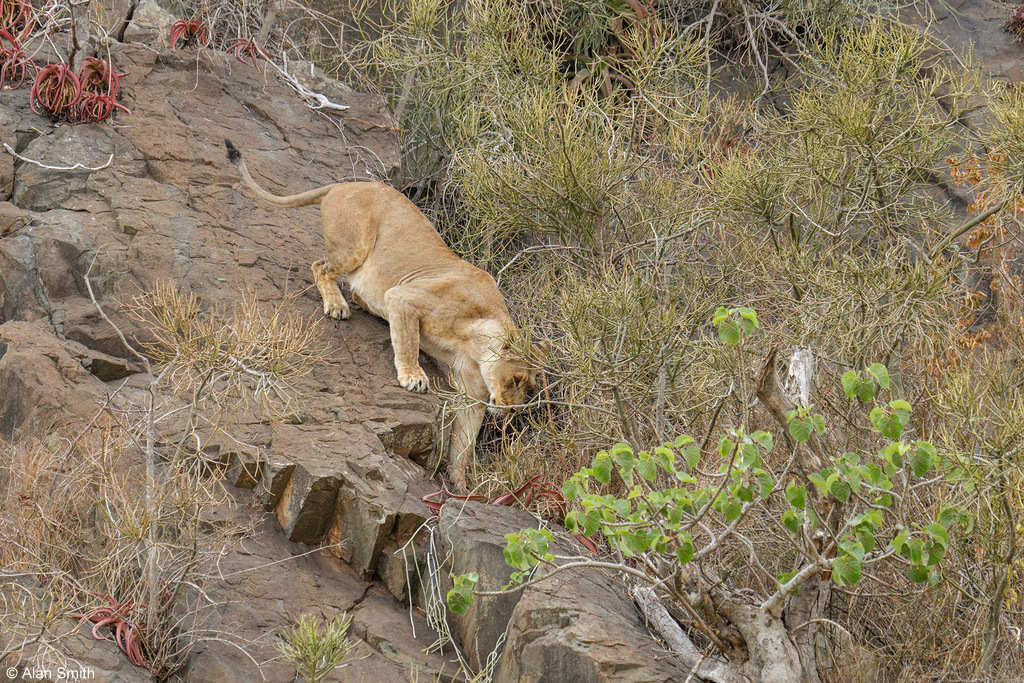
[{"x": 168, "y": 208}]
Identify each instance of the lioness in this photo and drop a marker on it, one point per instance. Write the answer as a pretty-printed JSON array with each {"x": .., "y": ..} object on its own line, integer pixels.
[{"x": 400, "y": 269}]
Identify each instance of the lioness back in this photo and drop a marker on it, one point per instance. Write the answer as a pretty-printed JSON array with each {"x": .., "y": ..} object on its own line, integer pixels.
[{"x": 406, "y": 248}]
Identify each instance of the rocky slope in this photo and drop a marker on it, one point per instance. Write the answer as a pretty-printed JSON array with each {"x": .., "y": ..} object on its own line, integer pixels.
[{"x": 350, "y": 468}]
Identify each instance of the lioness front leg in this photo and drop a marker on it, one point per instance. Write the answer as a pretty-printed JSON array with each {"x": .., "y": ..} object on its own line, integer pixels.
[
  {"x": 465, "y": 428},
  {"x": 405, "y": 339},
  {"x": 327, "y": 282}
]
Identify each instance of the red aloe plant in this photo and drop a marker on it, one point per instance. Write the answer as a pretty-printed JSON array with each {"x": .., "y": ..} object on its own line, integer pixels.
[
  {"x": 247, "y": 47},
  {"x": 97, "y": 106},
  {"x": 56, "y": 90},
  {"x": 14, "y": 61},
  {"x": 100, "y": 85},
  {"x": 191, "y": 31},
  {"x": 99, "y": 76},
  {"x": 126, "y": 633},
  {"x": 15, "y": 13}
]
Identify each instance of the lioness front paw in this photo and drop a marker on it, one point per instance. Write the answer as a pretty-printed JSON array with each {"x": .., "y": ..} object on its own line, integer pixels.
[
  {"x": 414, "y": 380},
  {"x": 336, "y": 308}
]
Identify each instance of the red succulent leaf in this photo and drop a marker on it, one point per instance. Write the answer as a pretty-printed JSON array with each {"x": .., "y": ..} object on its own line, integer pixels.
[
  {"x": 190, "y": 31},
  {"x": 97, "y": 106},
  {"x": 99, "y": 76},
  {"x": 126, "y": 631},
  {"x": 14, "y": 62},
  {"x": 247, "y": 47},
  {"x": 56, "y": 90},
  {"x": 15, "y": 13}
]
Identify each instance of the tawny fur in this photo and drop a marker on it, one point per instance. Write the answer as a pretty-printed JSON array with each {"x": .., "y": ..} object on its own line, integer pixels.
[{"x": 400, "y": 269}]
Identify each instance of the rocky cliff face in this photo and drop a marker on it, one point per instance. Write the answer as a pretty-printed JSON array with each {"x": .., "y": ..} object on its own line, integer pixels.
[{"x": 151, "y": 198}]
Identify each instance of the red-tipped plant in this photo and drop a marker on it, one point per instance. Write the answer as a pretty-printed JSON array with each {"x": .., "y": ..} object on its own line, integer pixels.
[
  {"x": 97, "y": 106},
  {"x": 100, "y": 84},
  {"x": 247, "y": 47},
  {"x": 99, "y": 76},
  {"x": 56, "y": 91},
  {"x": 15, "y": 16},
  {"x": 188, "y": 32},
  {"x": 15, "y": 64},
  {"x": 126, "y": 632}
]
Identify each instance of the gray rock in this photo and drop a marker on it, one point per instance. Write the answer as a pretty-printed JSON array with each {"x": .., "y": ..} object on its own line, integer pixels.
[
  {"x": 150, "y": 24},
  {"x": 473, "y": 536},
  {"x": 575, "y": 626}
]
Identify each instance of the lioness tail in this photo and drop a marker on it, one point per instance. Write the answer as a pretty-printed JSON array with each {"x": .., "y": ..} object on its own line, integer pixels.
[{"x": 301, "y": 199}]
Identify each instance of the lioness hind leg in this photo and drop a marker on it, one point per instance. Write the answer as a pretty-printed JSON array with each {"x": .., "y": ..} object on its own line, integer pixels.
[
  {"x": 404, "y": 320},
  {"x": 326, "y": 281}
]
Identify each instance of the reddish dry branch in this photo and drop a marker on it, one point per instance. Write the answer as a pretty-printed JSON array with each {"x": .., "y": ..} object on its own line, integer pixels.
[{"x": 534, "y": 490}]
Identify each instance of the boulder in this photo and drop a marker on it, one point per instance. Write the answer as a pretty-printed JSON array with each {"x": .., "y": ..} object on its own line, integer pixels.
[
  {"x": 574, "y": 626},
  {"x": 44, "y": 380}
]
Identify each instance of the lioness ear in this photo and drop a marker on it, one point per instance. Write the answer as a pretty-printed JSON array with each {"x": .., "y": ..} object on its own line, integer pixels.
[{"x": 540, "y": 351}]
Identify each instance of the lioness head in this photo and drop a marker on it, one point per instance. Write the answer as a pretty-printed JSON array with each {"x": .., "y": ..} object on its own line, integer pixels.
[{"x": 511, "y": 378}]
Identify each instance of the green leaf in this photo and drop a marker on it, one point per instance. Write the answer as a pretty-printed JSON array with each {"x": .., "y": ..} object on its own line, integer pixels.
[
  {"x": 729, "y": 332},
  {"x": 938, "y": 533},
  {"x": 622, "y": 454},
  {"x": 763, "y": 438},
  {"x": 846, "y": 570},
  {"x": 924, "y": 457},
  {"x": 917, "y": 574},
  {"x": 692, "y": 455},
  {"x": 818, "y": 481},
  {"x": 899, "y": 540},
  {"x": 733, "y": 509},
  {"x": 666, "y": 458},
  {"x": 684, "y": 551},
  {"x": 571, "y": 488},
  {"x": 791, "y": 521},
  {"x": 913, "y": 550},
  {"x": 851, "y": 382},
  {"x": 866, "y": 538},
  {"x": 841, "y": 490},
  {"x": 796, "y": 494},
  {"x": 881, "y": 375},
  {"x": 889, "y": 424},
  {"x": 948, "y": 515},
  {"x": 764, "y": 482},
  {"x": 725, "y": 446},
  {"x": 460, "y": 597},
  {"x": 570, "y": 522},
  {"x": 800, "y": 428},
  {"x": 603, "y": 468},
  {"x": 647, "y": 469},
  {"x": 900, "y": 406},
  {"x": 720, "y": 314},
  {"x": 853, "y": 548},
  {"x": 748, "y": 456},
  {"x": 748, "y": 314},
  {"x": 819, "y": 423},
  {"x": 591, "y": 522}
]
